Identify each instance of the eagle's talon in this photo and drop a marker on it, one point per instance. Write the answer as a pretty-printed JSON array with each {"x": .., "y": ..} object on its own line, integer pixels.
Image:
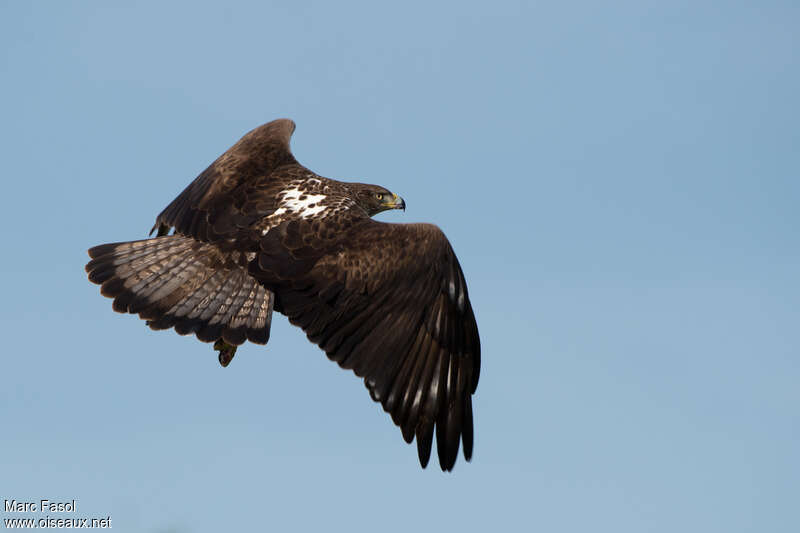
[{"x": 226, "y": 352}]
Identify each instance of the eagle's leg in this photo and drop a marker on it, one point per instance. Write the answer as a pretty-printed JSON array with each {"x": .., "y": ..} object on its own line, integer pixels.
[{"x": 226, "y": 352}]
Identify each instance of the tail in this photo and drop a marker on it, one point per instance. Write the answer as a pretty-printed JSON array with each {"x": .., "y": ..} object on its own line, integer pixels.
[{"x": 176, "y": 281}]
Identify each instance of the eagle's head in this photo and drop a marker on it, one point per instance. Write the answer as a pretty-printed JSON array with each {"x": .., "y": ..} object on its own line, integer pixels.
[{"x": 374, "y": 198}]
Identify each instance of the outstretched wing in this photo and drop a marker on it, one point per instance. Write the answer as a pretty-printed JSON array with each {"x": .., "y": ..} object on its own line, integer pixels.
[
  {"x": 390, "y": 302},
  {"x": 237, "y": 189}
]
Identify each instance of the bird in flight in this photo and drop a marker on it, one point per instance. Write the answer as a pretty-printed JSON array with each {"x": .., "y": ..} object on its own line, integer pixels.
[{"x": 256, "y": 232}]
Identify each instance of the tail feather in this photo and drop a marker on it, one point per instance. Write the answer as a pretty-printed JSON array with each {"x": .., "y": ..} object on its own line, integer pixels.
[
  {"x": 260, "y": 316},
  {"x": 242, "y": 309},
  {"x": 217, "y": 310},
  {"x": 175, "y": 281},
  {"x": 159, "y": 285},
  {"x": 233, "y": 302},
  {"x": 191, "y": 307}
]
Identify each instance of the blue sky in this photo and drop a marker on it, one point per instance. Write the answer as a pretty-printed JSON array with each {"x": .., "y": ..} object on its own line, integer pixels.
[{"x": 619, "y": 181}]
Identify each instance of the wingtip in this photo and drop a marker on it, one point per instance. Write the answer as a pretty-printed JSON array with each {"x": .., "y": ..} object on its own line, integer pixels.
[
  {"x": 283, "y": 127},
  {"x": 288, "y": 123},
  {"x": 424, "y": 446}
]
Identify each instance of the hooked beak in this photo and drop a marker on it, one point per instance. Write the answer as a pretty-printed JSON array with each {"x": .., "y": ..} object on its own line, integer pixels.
[{"x": 397, "y": 203}]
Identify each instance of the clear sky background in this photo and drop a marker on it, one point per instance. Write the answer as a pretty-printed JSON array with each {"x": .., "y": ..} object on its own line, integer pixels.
[{"x": 619, "y": 181}]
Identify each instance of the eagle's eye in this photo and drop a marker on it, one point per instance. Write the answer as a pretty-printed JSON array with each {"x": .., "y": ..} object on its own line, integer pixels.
[{"x": 379, "y": 196}]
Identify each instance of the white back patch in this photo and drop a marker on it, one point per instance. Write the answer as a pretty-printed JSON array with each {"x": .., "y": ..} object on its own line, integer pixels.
[
  {"x": 291, "y": 206},
  {"x": 306, "y": 207}
]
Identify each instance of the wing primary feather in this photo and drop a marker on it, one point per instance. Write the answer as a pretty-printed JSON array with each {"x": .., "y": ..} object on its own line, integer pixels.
[
  {"x": 424, "y": 444},
  {"x": 419, "y": 396},
  {"x": 467, "y": 435},
  {"x": 412, "y": 387},
  {"x": 394, "y": 401}
]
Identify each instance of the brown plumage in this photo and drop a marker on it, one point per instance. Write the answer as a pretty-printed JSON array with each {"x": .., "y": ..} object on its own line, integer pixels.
[{"x": 257, "y": 230}]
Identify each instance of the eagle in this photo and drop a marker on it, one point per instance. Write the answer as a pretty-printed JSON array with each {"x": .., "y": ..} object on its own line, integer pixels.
[{"x": 257, "y": 232}]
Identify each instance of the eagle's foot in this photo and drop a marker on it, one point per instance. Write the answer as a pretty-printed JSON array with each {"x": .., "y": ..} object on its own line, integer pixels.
[{"x": 226, "y": 352}]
